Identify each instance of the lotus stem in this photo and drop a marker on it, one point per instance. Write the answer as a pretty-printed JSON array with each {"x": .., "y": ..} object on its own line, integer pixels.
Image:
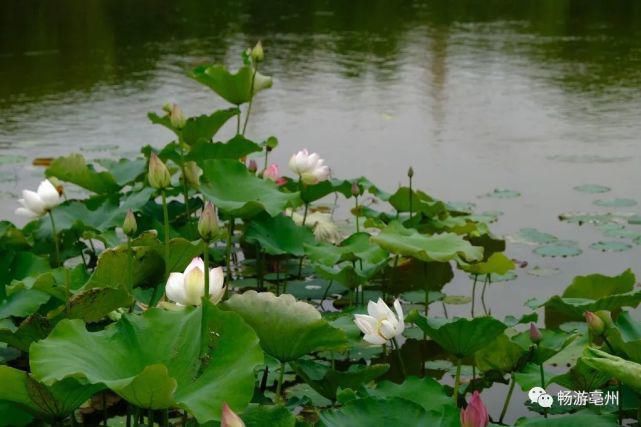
[
  {"x": 165, "y": 214},
  {"x": 329, "y": 285},
  {"x": 130, "y": 271},
  {"x": 487, "y": 281},
  {"x": 457, "y": 380},
  {"x": 251, "y": 99},
  {"x": 54, "y": 235},
  {"x": 204, "y": 323},
  {"x": 150, "y": 417},
  {"x": 508, "y": 397},
  {"x": 279, "y": 386},
  {"x": 476, "y": 276},
  {"x": 445, "y": 310},
  {"x": 230, "y": 233},
  {"x": 184, "y": 180},
  {"x": 411, "y": 201},
  {"x": 358, "y": 229},
  {"x": 400, "y": 358},
  {"x": 545, "y": 411},
  {"x": 136, "y": 416},
  {"x": 128, "y": 419},
  {"x": 263, "y": 380},
  {"x": 238, "y": 122},
  {"x": 67, "y": 291}
]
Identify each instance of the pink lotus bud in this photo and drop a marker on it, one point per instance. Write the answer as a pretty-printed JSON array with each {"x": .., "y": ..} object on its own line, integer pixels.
[
  {"x": 475, "y": 414},
  {"x": 595, "y": 324},
  {"x": 158, "y": 176},
  {"x": 252, "y": 166},
  {"x": 229, "y": 418},
  {"x": 535, "y": 334},
  {"x": 272, "y": 172}
]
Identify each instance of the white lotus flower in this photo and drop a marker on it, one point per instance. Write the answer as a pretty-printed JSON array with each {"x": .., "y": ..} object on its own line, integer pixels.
[
  {"x": 325, "y": 230},
  {"x": 39, "y": 202},
  {"x": 309, "y": 167},
  {"x": 381, "y": 324},
  {"x": 188, "y": 288}
]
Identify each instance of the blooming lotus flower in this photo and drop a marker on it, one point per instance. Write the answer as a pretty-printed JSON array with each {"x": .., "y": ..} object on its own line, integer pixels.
[
  {"x": 229, "y": 418},
  {"x": 272, "y": 172},
  {"x": 475, "y": 414},
  {"x": 39, "y": 202},
  {"x": 309, "y": 167},
  {"x": 188, "y": 288},
  {"x": 325, "y": 230},
  {"x": 381, "y": 324}
]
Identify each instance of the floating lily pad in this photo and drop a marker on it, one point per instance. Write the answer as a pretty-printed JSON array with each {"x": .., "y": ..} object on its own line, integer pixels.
[
  {"x": 623, "y": 233},
  {"x": 11, "y": 159},
  {"x": 610, "y": 227},
  {"x": 611, "y": 246},
  {"x": 634, "y": 219},
  {"x": 457, "y": 299},
  {"x": 558, "y": 250},
  {"x": 581, "y": 218},
  {"x": 507, "y": 277},
  {"x": 542, "y": 271},
  {"x": 461, "y": 206},
  {"x": 616, "y": 203},
  {"x": 532, "y": 235},
  {"x": 502, "y": 193},
  {"x": 592, "y": 188}
]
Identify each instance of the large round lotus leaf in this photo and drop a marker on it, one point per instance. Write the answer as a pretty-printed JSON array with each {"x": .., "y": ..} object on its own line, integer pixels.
[
  {"x": 503, "y": 193},
  {"x": 582, "y": 377},
  {"x": 615, "y": 203},
  {"x": 592, "y": 188},
  {"x": 54, "y": 401},
  {"x": 235, "y": 88},
  {"x": 421, "y": 202},
  {"x": 197, "y": 129},
  {"x": 496, "y": 264},
  {"x": 241, "y": 194},
  {"x": 558, "y": 250},
  {"x": 22, "y": 303},
  {"x": 532, "y": 235},
  {"x": 543, "y": 271},
  {"x": 75, "y": 169},
  {"x": 393, "y": 411},
  {"x": 288, "y": 329},
  {"x": 438, "y": 247},
  {"x": 153, "y": 360},
  {"x": 629, "y": 373},
  {"x": 355, "y": 247},
  {"x": 235, "y": 148},
  {"x": 611, "y": 246},
  {"x": 502, "y": 355},
  {"x": 560, "y": 310},
  {"x": 278, "y": 235},
  {"x": 460, "y": 337},
  {"x": 595, "y": 286},
  {"x": 426, "y": 392}
]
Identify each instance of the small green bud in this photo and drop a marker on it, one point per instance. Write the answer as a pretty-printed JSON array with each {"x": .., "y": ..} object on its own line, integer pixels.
[
  {"x": 257, "y": 52},
  {"x": 130, "y": 226},
  {"x": 208, "y": 223},
  {"x": 192, "y": 174},
  {"x": 158, "y": 175},
  {"x": 356, "y": 189},
  {"x": 410, "y": 172},
  {"x": 606, "y": 316},
  {"x": 167, "y": 106},
  {"x": 177, "y": 118}
]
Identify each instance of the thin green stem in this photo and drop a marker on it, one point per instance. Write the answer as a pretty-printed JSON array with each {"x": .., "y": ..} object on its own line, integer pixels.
[
  {"x": 230, "y": 234},
  {"x": 542, "y": 372},
  {"x": 300, "y": 263},
  {"x": 130, "y": 271},
  {"x": 279, "y": 386},
  {"x": 508, "y": 397},
  {"x": 251, "y": 99},
  {"x": 54, "y": 235},
  {"x": 400, "y": 357},
  {"x": 136, "y": 417},
  {"x": 204, "y": 329},
  {"x": 411, "y": 201},
  {"x": 476, "y": 276},
  {"x": 184, "y": 180},
  {"x": 487, "y": 281},
  {"x": 68, "y": 291},
  {"x": 266, "y": 158},
  {"x": 358, "y": 229},
  {"x": 238, "y": 122},
  {"x": 165, "y": 214},
  {"x": 457, "y": 380}
]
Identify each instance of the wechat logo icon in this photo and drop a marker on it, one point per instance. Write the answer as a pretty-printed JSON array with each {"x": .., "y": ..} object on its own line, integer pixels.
[{"x": 541, "y": 397}]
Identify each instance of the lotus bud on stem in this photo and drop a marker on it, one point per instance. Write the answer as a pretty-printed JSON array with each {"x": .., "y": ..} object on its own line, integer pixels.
[
  {"x": 176, "y": 117},
  {"x": 410, "y": 175},
  {"x": 129, "y": 227}
]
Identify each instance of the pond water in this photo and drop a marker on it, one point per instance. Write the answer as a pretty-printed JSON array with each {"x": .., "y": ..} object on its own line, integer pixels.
[{"x": 535, "y": 96}]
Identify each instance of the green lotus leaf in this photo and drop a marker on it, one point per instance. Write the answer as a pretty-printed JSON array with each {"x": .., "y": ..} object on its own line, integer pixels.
[
  {"x": 629, "y": 373},
  {"x": 13, "y": 415},
  {"x": 626, "y": 337},
  {"x": 530, "y": 376},
  {"x": 53, "y": 282},
  {"x": 236, "y": 148},
  {"x": 392, "y": 411},
  {"x": 22, "y": 303},
  {"x": 288, "y": 329},
  {"x": 579, "y": 419},
  {"x": 439, "y": 247},
  {"x": 503, "y": 193},
  {"x": 426, "y": 392},
  {"x": 502, "y": 355},
  {"x": 560, "y": 310},
  {"x": 553, "y": 342},
  {"x": 74, "y": 169},
  {"x": 421, "y": 202},
  {"x": 153, "y": 360},
  {"x": 49, "y": 401},
  {"x": 33, "y": 328},
  {"x": 263, "y": 415},
  {"x": 558, "y": 250},
  {"x": 592, "y": 188},
  {"x": 611, "y": 246},
  {"x": 278, "y": 235},
  {"x": 197, "y": 129},
  {"x": 124, "y": 171},
  {"x": 412, "y": 275},
  {"x": 327, "y": 381},
  {"x": 112, "y": 271},
  {"x": 532, "y": 235},
  {"x": 311, "y": 193},
  {"x": 234, "y": 88},
  {"x": 595, "y": 286},
  {"x": 94, "y": 304},
  {"x": 241, "y": 194},
  {"x": 355, "y": 247},
  {"x": 616, "y": 203},
  {"x": 496, "y": 264},
  {"x": 581, "y": 218},
  {"x": 582, "y": 377},
  {"x": 622, "y": 233},
  {"x": 350, "y": 274},
  {"x": 460, "y": 337}
]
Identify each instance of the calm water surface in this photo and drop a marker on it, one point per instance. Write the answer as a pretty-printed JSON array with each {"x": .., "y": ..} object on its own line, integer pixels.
[{"x": 535, "y": 96}]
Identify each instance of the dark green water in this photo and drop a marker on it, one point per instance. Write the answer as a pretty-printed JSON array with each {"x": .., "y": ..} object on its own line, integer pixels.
[{"x": 537, "y": 96}]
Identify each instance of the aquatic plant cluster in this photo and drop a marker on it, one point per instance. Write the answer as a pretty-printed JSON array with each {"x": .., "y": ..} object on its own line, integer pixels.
[{"x": 202, "y": 284}]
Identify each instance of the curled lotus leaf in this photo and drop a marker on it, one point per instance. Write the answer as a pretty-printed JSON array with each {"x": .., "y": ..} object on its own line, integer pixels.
[{"x": 235, "y": 88}]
